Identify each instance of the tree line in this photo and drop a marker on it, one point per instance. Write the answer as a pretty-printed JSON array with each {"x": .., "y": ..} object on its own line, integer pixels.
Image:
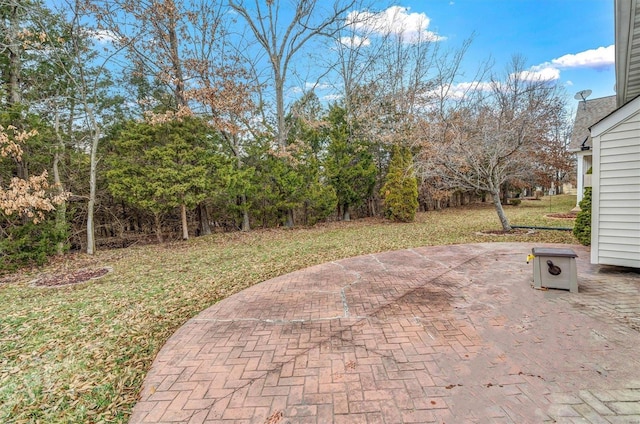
[{"x": 125, "y": 119}]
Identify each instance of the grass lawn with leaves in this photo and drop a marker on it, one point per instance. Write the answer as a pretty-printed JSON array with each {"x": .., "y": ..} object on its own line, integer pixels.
[{"x": 79, "y": 353}]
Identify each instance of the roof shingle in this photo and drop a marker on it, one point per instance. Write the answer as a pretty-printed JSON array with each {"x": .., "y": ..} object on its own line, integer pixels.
[{"x": 589, "y": 112}]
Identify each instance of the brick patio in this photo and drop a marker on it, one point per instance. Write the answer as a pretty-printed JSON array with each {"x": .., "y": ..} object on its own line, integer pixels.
[{"x": 445, "y": 334}]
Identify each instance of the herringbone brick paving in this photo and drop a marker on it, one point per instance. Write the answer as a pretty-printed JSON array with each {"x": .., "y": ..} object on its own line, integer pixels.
[{"x": 445, "y": 334}]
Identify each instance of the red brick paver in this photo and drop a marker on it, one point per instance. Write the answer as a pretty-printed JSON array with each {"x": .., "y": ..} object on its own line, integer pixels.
[{"x": 440, "y": 334}]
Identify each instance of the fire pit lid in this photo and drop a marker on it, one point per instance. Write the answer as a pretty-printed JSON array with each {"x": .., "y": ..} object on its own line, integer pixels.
[{"x": 552, "y": 251}]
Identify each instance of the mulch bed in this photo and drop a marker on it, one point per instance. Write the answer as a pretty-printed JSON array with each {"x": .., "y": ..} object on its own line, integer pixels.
[{"x": 75, "y": 277}]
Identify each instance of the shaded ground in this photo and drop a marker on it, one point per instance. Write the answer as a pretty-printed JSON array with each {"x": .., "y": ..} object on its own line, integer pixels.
[
  {"x": 71, "y": 277},
  {"x": 434, "y": 334}
]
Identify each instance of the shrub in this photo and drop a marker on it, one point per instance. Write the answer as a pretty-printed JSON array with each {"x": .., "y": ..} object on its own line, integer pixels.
[
  {"x": 30, "y": 244},
  {"x": 515, "y": 202},
  {"x": 400, "y": 189},
  {"x": 582, "y": 227},
  {"x": 321, "y": 203}
]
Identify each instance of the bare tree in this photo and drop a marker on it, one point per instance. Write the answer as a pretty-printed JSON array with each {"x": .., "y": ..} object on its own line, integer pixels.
[
  {"x": 494, "y": 137},
  {"x": 282, "y": 42},
  {"x": 184, "y": 47},
  {"x": 555, "y": 165},
  {"x": 12, "y": 12},
  {"x": 85, "y": 72}
]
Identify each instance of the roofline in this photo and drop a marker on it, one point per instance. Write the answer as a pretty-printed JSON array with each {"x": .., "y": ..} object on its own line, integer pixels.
[
  {"x": 618, "y": 115},
  {"x": 579, "y": 150},
  {"x": 624, "y": 11}
]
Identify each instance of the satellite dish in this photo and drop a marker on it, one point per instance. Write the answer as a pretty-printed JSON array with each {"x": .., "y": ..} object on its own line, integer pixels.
[{"x": 582, "y": 95}]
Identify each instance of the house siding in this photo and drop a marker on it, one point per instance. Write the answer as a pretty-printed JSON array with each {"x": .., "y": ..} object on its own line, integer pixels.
[{"x": 616, "y": 213}]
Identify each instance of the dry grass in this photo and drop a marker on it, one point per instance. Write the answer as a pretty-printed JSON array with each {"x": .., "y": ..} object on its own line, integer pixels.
[{"x": 79, "y": 353}]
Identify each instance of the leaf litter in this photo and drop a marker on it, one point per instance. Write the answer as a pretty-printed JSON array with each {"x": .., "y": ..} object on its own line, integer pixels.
[{"x": 79, "y": 353}]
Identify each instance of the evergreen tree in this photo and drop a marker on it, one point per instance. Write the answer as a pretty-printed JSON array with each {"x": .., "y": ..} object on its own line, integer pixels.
[
  {"x": 164, "y": 166},
  {"x": 349, "y": 165},
  {"x": 308, "y": 143},
  {"x": 400, "y": 190}
]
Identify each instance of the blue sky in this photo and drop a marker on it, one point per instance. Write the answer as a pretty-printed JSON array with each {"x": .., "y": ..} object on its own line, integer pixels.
[{"x": 570, "y": 41}]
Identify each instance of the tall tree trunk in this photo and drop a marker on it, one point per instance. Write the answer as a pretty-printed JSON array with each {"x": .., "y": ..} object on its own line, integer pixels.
[
  {"x": 83, "y": 87},
  {"x": 175, "y": 57},
  {"x": 505, "y": 193},
  {"x": 203, "y": 217},
  {"x": 289, "y": 223},
  {"x": 61, "y": 222},
  {"x": 500, "y": 211},
  {"x": 158, "y": 227},
  {"x": 346, "y": 213},
  {"x": 61, "y": 209},
  {"x": 93, "y": 171},
  {"x": 245, "y": 213},
  {"x": 185, "y": 227},
  {"x": 14, "y": 48},
  {"x": 280, "y": 113}
]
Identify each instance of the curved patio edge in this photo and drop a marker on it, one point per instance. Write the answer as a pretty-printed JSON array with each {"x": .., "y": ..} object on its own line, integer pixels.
[{"x": 431, "y": 334}]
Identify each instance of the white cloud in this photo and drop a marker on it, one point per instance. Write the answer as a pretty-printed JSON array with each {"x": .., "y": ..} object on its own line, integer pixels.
[
  {"x": 104, "y": 35},
  {"x": 308, "y": 86},
  {"x": 354, "y": 41},
  {"x": 316, "y": 86},
  {"x": 460, "y": 90},
  {"x": 550, "y": 71},
  {"x": 396, "y": 20},
  {"x": 538, "y": 73},
  {"x": 594, "y": 58},
  {"x": 295, "y": 90},
  {"x": 331, "y": 97}
]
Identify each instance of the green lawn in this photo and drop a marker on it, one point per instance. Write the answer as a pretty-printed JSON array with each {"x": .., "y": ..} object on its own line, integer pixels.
[{"x": 80, "y": 353}]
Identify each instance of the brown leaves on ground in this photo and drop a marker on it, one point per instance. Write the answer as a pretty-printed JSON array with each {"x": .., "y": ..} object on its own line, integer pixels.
[
  {"x": 80, "y": 352},
  {"x": 274, "y": 418},
  {"x": 76, "y": 277}
]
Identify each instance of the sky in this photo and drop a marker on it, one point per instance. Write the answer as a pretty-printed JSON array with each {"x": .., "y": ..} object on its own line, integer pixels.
[{"x": 569, "y": 41}]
